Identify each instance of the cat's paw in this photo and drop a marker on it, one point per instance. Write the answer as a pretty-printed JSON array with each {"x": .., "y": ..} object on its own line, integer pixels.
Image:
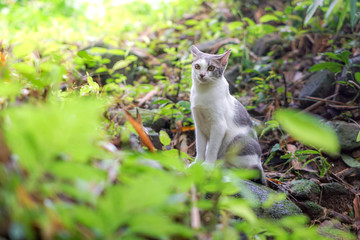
[
  {"x": 192, "y": 164},
  {"x": 208, "y": 166}
]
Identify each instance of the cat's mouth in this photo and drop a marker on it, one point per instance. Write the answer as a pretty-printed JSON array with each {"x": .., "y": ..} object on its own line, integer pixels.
[{"x": 203, "y": 80}]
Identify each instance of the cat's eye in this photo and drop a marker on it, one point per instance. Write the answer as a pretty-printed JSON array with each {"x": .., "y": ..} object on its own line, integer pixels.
[
  {"x": 197, "y": 66},
  {"x": 211, "y": 68}
]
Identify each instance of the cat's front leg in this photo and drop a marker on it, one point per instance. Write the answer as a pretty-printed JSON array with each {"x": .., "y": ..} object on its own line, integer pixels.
[
  {"x": 200, "y": 145},
  {"x": 216, "y": 138}
]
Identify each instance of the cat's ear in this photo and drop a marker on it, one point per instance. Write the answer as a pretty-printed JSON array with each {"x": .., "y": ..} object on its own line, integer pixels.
[
  {"x": 224, "y": 58},
  {"x": 195, "y": 51}
]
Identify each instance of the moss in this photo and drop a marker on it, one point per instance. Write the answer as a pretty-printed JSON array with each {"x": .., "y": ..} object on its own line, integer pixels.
[
  {"x": 313, "y": 210},
  {"x": 305, "y": 189}
]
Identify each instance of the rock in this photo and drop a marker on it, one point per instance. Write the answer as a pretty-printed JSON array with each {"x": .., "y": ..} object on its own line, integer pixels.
[
  {"x": 347, "y": 133},
  {"x": 147, "y": 117},
  {"x": 313, "y": 210},
  {"x": 155, "y": 139},
  {"x": 278, "y": 210},
  {"x": 334, "y": 189},
  {"x": 335, "y": 196},
  {"x": 213, "y": 46},
  {"x": 231, "y": 76},
  {"x": 264, "y": 65},
  {"x": 348, "y": 92},
  {"x": 108, "y": 56},
  {"x": 327, "y": 228},
  {"x": 319, "y": 84},
  {"x": 268, "y": 43},
  {"x": 305, "y": 189}
]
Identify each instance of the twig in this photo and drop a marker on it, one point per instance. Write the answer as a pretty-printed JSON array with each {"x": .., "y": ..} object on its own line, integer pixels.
[
  {"x": 286, "y": 104},
  {"x": 323, "y": 100},
  {"x": 195, "y": 213},
  {"x": 344, "y": 107},
  {"x": 341, "y": 217},
  {"x": 315, "y": 105},
  {"x": 148, "y": 96},
  {"x": 357, "y": 85},
  {"x": 345, "y": 184}
]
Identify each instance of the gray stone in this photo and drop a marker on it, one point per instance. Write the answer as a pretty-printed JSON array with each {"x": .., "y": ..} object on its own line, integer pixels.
[
  {"x": 109, "y": 59},
  {"x": 313, "y": 210},
  {"x": 147, "y": 117},
  {"x": 334, "y": 189},
  {"x": 305, "y": 189},
  {"x": 212, "y": 46},
  {"x": 319, "y": 84},
  {"x": 266, "y": 44},
  {"x": 231, "y": 75},
  {"x": 336, "y": 197},
  {"x": 347, "y": 133},
  {"x": 278, "y": 210}
]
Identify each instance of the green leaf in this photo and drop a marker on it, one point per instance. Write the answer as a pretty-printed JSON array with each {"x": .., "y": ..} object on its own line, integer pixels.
[
  {"x": 238, "y": 208},
  {"x": 343, "y": 15},
  {"x": 99, "y": 50},
  {"x": 268, "y": 18},
  {"x": 357, "y": 77},
  {"x": 23, "y": 49},
  {"x": 344, "y": 56},
  {"x": 69, "y": 129},
  {"x": 191, "y": 22},
  {"x": 358, "y": 137},
  {"x": 164, "y": 138},
  {"x": 311, "y": 10},
  {"x": 121, "y": 64},
  {"x": 24, "y": 69},
  {"x": 9, "y": 89},
  {"x": 332, "y": 66},
  {"x": 309, "y": 151},
  {"x": 352, "y": 12},
  {"x": 333, "y": 56},
  {"x": 101, "y": 69},
  {"x": 71, "y": 170},
  {"x": 84, "y": 54},
  {"x": 330, "y": 9},
  {"x": 308, "y": 130},
  {"x": 350, "y": 161},
  {"x": 157, "y": 226},
  {"x": 234, "y": 25},
  {"x": 51, "y": 73},
  {"x": 118, "y": 52}
]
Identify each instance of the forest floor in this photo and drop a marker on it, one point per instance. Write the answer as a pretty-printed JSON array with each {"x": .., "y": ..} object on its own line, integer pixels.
[
  {"x": 323, "y": 186},
  {"x": 277, "y": 62}
]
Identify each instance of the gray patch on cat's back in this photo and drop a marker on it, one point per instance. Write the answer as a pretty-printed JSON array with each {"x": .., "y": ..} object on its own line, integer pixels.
[
  {"x": 241, "y": 117},
  {"x": 246, "y": 145}
]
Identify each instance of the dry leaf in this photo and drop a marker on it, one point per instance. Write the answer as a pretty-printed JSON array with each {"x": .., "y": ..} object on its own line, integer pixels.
[
  {"x": 2, "y": 57},
  {"x": 140, "y": 130},
  {"x": 295, "y": 163},
  {"x": 24, "y": 198}
]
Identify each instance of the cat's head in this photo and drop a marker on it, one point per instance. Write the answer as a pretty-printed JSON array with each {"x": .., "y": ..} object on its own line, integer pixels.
[{"x": 208, "y": 68}]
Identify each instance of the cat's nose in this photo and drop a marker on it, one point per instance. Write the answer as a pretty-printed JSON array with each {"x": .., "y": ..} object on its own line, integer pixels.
[{"x": 202, "y": 75}]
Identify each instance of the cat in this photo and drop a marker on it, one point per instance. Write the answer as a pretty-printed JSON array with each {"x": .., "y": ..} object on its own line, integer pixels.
[{"x": 223, "y": 127}]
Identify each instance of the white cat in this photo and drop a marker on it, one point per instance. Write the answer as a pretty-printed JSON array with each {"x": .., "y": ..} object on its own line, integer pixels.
[{"x": 222, "y": 124}]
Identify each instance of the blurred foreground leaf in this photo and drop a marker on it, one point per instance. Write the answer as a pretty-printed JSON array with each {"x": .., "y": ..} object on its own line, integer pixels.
[
  {"x": 38, "y": 135},
  {"x": 308, "y": 130}
]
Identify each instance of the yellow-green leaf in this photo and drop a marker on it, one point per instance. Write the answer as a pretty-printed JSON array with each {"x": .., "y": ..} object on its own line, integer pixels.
[
  {"x": 164, "y": 138},
  {"x": 308, "y": 130}
]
